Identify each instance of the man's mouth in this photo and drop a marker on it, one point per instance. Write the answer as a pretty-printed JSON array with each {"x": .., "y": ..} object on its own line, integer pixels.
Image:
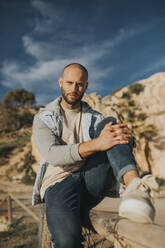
[{"x": 73, "y": 95}]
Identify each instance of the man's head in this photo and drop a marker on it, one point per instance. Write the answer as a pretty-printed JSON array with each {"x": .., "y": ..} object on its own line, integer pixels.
[{"x": 73, "y": 83}]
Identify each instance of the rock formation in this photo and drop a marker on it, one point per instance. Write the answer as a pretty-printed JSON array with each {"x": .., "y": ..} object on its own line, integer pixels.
[{"x": 142, "y": 106}]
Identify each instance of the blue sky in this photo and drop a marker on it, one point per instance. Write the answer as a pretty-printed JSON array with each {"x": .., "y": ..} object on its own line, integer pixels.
[{"x": 119, "y": 41}]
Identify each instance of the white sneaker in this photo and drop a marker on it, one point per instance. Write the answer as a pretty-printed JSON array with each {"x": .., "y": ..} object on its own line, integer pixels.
[{"x": 137, "y": 204}]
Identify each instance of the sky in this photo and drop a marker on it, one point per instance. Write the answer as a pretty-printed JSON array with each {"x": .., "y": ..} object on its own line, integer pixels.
[{"x": 118, "y": 41}]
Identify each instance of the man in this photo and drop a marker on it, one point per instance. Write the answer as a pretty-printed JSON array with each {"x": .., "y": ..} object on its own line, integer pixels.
[{"x": 82, "y": 152}]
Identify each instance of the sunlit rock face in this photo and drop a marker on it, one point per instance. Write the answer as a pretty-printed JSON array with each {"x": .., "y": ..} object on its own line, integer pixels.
[{"x": 142, "y": 106}]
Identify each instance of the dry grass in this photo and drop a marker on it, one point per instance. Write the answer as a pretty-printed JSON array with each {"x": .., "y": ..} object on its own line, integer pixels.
[{"x": 20, "y": 235}]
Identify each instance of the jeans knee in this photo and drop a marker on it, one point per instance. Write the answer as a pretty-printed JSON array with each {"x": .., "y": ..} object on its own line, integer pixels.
[{"x": 102, "y": 124}]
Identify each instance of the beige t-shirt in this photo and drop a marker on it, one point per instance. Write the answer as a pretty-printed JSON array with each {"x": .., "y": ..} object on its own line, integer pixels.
[{"x": 71, "y": 134}]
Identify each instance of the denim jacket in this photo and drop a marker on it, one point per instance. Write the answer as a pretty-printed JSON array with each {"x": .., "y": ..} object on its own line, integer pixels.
[{"x": 52, "y": 118}]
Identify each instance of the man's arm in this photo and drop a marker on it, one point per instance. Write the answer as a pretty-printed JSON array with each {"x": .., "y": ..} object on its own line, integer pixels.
[
  {"x": 56, "y": 154},
  {"x": 49, "y": 147},
  {"x": 110, "y": 136}
]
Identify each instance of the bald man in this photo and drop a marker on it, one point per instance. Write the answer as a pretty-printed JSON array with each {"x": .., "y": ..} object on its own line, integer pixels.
[{"x": 83, "y": 153}]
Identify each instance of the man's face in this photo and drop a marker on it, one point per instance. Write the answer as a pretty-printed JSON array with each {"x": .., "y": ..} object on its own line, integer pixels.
[{"x": 73, "y": 85}]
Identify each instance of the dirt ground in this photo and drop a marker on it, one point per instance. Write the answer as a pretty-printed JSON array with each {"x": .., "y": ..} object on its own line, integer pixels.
[{"x": 23, "y": 233}]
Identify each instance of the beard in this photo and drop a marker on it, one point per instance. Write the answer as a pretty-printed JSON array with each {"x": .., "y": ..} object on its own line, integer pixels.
[{"x": 71, "y": 102}]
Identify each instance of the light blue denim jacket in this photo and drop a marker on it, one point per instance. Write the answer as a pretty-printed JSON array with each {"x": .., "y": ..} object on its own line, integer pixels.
[{"x": 51, "y": 116}]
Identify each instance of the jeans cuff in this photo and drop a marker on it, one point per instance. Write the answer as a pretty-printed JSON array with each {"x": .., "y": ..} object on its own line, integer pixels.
[{"x": 128, "y": 167}]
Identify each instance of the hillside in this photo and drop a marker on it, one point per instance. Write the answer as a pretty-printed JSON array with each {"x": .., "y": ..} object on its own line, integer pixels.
[
  {"x": 15, "y": 145},
  {"x": 142, "y": 106}
]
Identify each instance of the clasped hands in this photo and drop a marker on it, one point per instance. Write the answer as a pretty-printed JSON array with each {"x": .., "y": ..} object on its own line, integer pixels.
[{"x": 113, "y": 134}]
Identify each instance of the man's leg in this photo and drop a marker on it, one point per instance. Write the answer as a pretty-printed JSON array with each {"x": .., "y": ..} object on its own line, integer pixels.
[
  {"x": 63, "y": 213},
  {"x": 136, "y": 203},
  {"x": 120, "y": 157},
  {"x": 103, "y": 169},
  {"x": 97, "y": 178}
]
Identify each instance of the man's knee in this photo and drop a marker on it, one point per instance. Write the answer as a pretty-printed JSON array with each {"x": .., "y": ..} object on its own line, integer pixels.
[{"x": 102, "y": 124}]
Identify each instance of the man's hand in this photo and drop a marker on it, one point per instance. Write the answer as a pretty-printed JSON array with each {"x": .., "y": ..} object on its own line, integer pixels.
[{"x": 110, "y": 136}]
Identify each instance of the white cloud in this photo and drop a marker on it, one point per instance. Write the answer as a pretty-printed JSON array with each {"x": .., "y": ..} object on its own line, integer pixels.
[
  {"x": 50, "y": 17},
  {"x": 48, "y": 50},
  {"x": 48, "y": 71},
  {"x": 34, "y": 49},
  {"x": 38, "y": 49},
  {"x": 23, "y": 77},
  {"x": 43, "y": 7}
]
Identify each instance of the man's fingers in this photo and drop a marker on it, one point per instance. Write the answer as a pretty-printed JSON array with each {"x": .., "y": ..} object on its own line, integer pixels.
[
  {"x": 126, "y": 131},
  {"x": 108, "y": 124},
  {"x": 121, "y": 133},
  {"x": 123, "y": 125},
  {"x": 118, "y": 142},
  {"x": 119, "y": 126},
  {"x": 119, "y": 121},
  {"x": 123, "y": 138}
]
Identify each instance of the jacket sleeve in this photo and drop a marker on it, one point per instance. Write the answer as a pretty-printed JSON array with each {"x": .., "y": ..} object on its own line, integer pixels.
[{"x": 50, "y": 149}]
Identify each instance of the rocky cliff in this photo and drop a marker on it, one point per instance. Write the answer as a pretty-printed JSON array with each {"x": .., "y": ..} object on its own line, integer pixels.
[{"x": 142, "y": 106}]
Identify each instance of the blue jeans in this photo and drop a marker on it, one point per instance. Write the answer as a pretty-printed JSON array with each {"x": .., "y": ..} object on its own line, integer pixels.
[{"x": 67, "y": 200}]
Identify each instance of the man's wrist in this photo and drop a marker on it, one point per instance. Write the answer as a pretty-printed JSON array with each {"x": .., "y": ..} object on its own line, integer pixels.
[{"x": 88, "y": 148}]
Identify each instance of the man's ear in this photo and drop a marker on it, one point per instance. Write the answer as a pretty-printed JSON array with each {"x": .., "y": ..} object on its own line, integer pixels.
[{"x": 60, "y": 82}]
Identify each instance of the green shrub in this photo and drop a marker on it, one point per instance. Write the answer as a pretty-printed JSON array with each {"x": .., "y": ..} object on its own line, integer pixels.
[
  {"x": 15, "y": 114},
  {"x": 131, "y": 103},
  {"x": 26, "y": 118},
  {"x": 18, "y": 97},
  {"x": 6, "y": 149},
  {"x": 18, "y": 229},
  {"x": 116, "y": 90},
  {"x": 30, "y": 175},
  {"x": 142, "y": 117},
  {"x": 23, "y": 139},
  {"x": 27, "y": 179},
  {"x": 131, "y": 114},
  {"x": 149, "y": 132},
  {"x": 10, "y": 121},
  {"x": 126, "y": 95},
  {"x": 136, "y": 88}
]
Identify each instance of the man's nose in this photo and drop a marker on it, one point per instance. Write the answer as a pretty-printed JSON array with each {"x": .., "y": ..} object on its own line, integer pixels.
[{"x": 74, "y": 87}]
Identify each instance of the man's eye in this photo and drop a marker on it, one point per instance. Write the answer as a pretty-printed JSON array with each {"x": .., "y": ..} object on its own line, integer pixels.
[{"x": 80, "y": 84}]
